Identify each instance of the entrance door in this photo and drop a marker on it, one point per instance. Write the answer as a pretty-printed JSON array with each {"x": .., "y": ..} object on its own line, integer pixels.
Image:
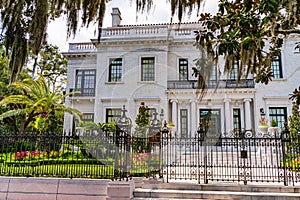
[{"x": 211, "y": 120}]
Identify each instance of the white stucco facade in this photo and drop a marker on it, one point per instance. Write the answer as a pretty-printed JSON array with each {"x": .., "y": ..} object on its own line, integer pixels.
[{"x": 234, "y": 106}]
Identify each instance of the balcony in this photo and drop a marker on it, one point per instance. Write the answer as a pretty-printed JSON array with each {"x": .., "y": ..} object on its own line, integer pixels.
[
  {"x": 230, "y": 84},
  {"x": 85, "y": 92}
]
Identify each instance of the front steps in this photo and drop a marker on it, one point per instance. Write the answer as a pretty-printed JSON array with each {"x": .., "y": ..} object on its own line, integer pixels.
[{"x": 151, "y": 190}]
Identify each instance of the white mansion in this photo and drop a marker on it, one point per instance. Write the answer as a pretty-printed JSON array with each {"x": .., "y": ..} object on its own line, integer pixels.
[{"x": 153, "y": 64}]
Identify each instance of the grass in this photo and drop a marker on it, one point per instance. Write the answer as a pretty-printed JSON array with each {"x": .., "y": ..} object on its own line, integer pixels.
[
  {"x": 59, "y": 170},
  {"x": 72, "y": 165}
]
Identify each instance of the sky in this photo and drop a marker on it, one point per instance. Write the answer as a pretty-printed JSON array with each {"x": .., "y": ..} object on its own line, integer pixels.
[{"x": 160, "y": 13}]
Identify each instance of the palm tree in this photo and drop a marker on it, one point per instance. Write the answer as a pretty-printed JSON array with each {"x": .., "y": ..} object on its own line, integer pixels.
[{"x": 35, "y": 101}]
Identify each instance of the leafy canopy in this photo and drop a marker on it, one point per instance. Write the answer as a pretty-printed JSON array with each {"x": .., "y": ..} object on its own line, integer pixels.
[
  {"x": 249, "y": 31},
  {"x": 35, "y": 101}
]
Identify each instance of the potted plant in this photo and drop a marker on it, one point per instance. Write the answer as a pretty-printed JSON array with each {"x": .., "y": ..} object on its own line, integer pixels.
[
  {"x": 273, "y": 129},
  {"x": 263, "y": 126},
  {"x": 171, "y": 126}
]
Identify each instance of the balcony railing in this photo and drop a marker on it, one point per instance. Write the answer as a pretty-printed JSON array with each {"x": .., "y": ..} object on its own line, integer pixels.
[
  {"x": 184, "y": 31},
  {"x": 85, "y": 92},
  {"x": 192, "y": 84}
]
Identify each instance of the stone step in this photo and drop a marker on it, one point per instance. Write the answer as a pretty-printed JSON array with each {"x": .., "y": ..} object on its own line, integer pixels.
[
  {"x": 234, "y": 187},
  {"x": 160, "y": 194},
  {"x": 151, "y": 189}
]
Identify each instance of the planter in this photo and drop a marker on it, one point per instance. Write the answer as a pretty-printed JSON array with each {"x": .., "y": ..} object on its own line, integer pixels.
[
  {"x": 273, "y": 131},
  {"x": 263, "y": 130},
  {"x": 171, "y": 128}
]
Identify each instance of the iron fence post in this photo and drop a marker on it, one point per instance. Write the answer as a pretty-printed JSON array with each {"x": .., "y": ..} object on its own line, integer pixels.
[
  {"x": 285, "y": 138},
  {"x": 164, "y": 142},
  {"x": 201, "y": 135}
]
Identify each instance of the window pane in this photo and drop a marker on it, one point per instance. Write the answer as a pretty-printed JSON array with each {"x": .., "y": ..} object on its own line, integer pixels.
[
  {"x": 86, "y": 117},
  {"x": 151, "y": 111},
  {"x": 279, "y": 114},
  {"x": 276, "y": 68},
  {"x": 236, "y": 121},
  {"x": 85, "y": 82},
  {"x": 183, "y": 123},
  {"x": 148, "y": 71},
  {"x": 115, "y": 70},
  {"x": 183, "y": 69},
  {"x": 211, "y": 120},
  {"x": 235, "y": 70},
  {"x": 112, "y": 115}
]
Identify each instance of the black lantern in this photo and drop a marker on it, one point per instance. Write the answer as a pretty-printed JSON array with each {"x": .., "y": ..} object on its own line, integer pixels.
[{"x": 262, "y": 113}]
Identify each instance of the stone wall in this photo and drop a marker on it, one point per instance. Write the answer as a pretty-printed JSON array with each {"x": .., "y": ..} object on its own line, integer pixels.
[{"x": 15, "y": 188}]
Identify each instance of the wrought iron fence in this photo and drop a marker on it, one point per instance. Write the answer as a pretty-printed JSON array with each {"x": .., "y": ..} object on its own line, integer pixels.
[
  {"x": 246, "y": 157},
  {"x": 85, "y": 154}
]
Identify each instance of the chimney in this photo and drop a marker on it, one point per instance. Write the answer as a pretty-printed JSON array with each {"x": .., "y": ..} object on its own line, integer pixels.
[{"x": 116, "y": 17}]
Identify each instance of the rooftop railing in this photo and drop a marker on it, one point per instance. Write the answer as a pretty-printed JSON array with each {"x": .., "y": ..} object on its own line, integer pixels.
[{"x": 146, "y": 31}]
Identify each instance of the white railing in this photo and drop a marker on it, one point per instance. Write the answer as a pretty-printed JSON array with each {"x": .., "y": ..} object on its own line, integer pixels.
[
  {"x": 85, "y": 46},
  {"x": 146, "y": 31}
]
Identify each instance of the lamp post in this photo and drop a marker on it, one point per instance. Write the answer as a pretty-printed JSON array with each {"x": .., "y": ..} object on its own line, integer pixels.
[{"x": 123, "y": 138}]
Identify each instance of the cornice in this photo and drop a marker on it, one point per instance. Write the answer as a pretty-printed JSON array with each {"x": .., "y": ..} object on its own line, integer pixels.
[{"x": 79, "y": 54}]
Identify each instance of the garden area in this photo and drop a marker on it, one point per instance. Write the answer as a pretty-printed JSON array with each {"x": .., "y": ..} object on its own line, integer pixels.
[{"x": 90, "y": 155}]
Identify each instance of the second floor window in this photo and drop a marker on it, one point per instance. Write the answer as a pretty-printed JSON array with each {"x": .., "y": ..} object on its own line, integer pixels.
[
  {"x": 115, "y": 70},
  {"x": 235, "y": 71},
  {"x": 148, "y": 69},
  {"x": 183, "y": 69},
  {"x": 277, "y": 68},
  {"x": 85, "y": 82}
]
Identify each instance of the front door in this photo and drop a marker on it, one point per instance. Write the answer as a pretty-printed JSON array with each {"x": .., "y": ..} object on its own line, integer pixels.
[{"x": 211, "y": 120}]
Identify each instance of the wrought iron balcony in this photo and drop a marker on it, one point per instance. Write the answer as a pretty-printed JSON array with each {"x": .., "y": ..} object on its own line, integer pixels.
[{"x": 192, "y": 84}]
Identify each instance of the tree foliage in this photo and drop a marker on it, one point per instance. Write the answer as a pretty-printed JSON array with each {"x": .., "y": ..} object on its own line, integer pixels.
[
  {"x": 249, "y": 31},
  {"x": 294, "y": 120},
  {"x": 34, "y": 103},
  {"x": 142, "y": 119},
  {"x": 51, "y": 64}
]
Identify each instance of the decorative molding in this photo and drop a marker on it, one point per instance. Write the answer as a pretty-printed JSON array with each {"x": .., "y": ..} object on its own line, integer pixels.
[
  {"x": 147, "y": 98},
  {"x": 113, "y": 99}
]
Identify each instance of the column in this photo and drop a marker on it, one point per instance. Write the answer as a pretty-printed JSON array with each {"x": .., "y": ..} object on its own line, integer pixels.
[
  {"x": 248, "y": 123},
  {"x": 193, "y": 124},
  {"x": 228, "y": 116},
  {"x": 174, "y": 112}
]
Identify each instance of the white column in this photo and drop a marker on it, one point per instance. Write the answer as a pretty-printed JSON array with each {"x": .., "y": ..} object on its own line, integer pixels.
[
  {"x": 193, "y": 123},
  {"x": 174, "y": 112},
  {"x": 248, "y": 123},
  {"x": 228, "y": 116}
]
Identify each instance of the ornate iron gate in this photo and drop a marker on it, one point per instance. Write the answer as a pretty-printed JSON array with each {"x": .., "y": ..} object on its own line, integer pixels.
[{"x": 236, "y": 158}]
